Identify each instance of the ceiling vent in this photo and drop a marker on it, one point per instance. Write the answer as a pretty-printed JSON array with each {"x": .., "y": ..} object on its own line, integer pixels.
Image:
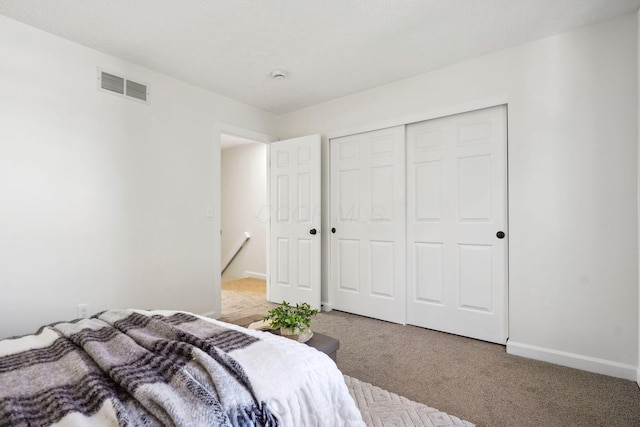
[{"x": 122, "y": 86}]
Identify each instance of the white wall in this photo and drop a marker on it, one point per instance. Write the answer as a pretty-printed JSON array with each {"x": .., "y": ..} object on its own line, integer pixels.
[
  {"x": 638, "y": 71},
  {"x": 243, "y": 203},
  {"x": 573, "y": 223},
  {"x": 103, "y": 199}
]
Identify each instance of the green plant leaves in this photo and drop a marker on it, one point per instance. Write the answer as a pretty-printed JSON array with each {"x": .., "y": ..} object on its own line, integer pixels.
[{"x": 290, "y": 317}]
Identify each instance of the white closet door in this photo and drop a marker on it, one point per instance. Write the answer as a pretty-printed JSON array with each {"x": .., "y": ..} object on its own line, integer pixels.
[
  {"x": 294, "y": 251},
  {"x": 368, "y": 224},
  {"x": 456, "y": 206}
]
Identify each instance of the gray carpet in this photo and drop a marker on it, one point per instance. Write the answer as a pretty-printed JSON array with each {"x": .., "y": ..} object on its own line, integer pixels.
[{"x": 473, "y": 380}]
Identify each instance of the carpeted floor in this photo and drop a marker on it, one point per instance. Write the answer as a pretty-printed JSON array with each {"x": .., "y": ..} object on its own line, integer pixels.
[{"x": 473, "y": 380}]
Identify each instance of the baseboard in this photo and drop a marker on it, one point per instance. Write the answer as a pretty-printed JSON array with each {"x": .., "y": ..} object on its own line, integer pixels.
[
  {"x": 577, "y": 361},
  {"x": 255, "y": 275},
  {"x": 638, "y": 377}
]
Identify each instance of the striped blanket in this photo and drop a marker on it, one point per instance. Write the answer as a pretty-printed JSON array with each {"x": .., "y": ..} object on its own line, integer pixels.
[{"x": 139, "y": 368}]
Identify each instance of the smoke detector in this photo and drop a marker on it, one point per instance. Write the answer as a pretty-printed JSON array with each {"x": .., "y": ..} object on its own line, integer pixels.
[{"x": 279, "y": 74}]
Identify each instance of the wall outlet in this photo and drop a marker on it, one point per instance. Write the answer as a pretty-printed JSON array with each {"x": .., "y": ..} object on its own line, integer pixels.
[{"x": 83, "y": 310}]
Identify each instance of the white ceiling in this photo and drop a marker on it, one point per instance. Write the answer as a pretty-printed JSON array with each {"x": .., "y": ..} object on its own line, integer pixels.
[{"x": 330, "y": 48}]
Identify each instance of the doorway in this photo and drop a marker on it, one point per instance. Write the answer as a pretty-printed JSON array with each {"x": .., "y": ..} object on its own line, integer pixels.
[
  {"x": 243, "y": 231},
  {"x": 243, "y": 196},
  {"x": 296, "y": 214}
]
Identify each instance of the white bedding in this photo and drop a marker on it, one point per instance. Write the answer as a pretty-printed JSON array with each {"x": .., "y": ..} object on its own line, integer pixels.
[
  {"x": 307, "y": 390},
  {"x": 133, "y": 367}
]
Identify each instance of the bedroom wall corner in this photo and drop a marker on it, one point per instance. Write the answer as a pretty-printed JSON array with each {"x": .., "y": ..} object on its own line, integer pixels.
[
  {"x": 104, "y": 200},
  {"x": 573, "y": 284}
]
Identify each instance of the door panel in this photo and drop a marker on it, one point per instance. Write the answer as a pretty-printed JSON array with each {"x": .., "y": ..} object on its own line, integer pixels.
[
  {"x": 474, "y": 184},
  {"x": 368, "y": 212},
  {"x": 429, "y": 269},
  {"x": 305, "y": 252},
  {"x": 456, "y": 202},
  {"x": 282, "y": 257},
  {"x": 429, "y": 191},
  {"x": 294, "y": 274},
  {"x": 475, "y": 278}
]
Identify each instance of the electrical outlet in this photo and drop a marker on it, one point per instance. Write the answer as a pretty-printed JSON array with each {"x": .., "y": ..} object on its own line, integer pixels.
[{"x": 83, "y": 310}]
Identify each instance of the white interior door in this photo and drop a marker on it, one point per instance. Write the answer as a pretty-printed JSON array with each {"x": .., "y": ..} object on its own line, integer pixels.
[
  {"x": 368, "y": 224},
  {"x": 294, "y": 240},
  {"x": 456, "y": 205}
]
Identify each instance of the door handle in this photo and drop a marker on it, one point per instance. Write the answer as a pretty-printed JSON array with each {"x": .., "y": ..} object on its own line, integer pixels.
[
  {"x": 500, "y": 234},
  {"x": 313, "y": 231}
]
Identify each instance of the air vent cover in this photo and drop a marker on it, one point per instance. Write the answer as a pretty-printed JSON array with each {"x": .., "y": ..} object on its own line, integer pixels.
[
  {"x": 112, "y": 83},
  {"x": 136, "y": 90},
  {"x": 123, "y": 86}
]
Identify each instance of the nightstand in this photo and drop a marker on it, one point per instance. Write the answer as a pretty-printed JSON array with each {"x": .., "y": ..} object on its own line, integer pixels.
[{"x": 324, "y": 343}]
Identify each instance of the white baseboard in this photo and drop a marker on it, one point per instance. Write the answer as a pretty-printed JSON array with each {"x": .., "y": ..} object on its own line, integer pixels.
[
  {"x": 638, "y": 377},
  {"x": 577, "y": 361},
  {"x": 255, "y": 275},
  {"x": 326, "y": 306}
]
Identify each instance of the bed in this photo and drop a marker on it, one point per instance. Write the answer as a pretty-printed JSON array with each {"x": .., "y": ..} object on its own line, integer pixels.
[{"x": 166, "y": 368}]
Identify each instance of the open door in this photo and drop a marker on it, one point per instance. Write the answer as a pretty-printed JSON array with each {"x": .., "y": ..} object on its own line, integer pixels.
[{"x": 294, "y": 241}]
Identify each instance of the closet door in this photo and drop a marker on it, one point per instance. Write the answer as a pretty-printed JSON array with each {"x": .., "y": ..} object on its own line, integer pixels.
[
  {"x": 456, "y": 214},
  {"x": 368, "y": 224}
]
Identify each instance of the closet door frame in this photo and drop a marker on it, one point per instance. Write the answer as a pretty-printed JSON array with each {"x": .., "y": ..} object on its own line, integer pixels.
[{"x": 403, "y": 120}]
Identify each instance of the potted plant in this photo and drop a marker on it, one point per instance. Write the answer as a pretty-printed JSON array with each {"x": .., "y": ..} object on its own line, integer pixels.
[{"x": 293, "y": 322}]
